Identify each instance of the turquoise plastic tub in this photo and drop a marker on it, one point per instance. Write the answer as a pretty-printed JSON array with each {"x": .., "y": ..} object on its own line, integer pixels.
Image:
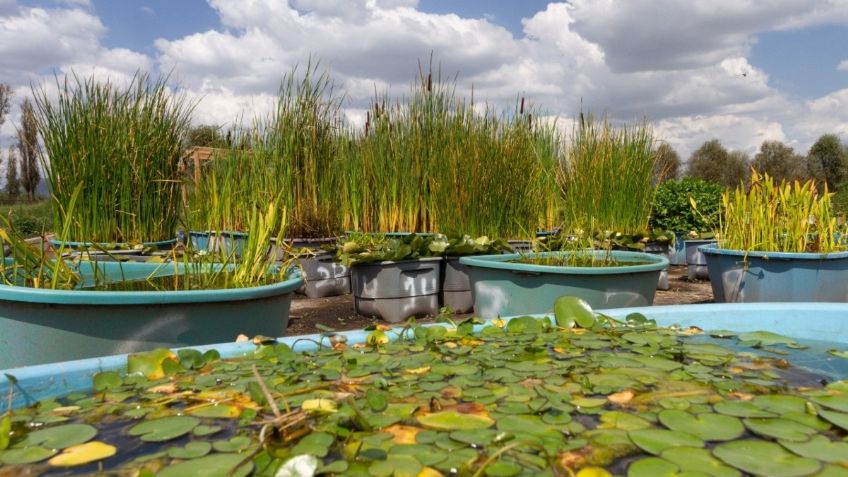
[
  {"x": 749, "y": 277},
  {"x": 42, "y": 326},
  {"x": 502, "y": 288},
  {"x": 226, "y": 242},
  {"x": 798, "y": 320}
]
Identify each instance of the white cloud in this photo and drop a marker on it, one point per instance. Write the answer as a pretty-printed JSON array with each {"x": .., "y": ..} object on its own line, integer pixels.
[{"x": 842, "y": 66}]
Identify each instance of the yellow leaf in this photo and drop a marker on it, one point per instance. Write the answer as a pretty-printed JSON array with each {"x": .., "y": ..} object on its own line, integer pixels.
[
  {"x": 403, "y": 434},
  {"x": 622, "y": 397},
  {"x": 319, "y": 405},
  {"x": 149, "y": 363},
  {"x": 498, "y": 323},
  {"x": 420, "y": 370},
  {"x": 83, "y": 454},
  {"x": 430, "y": 472},
  {"x": 593, "y": 472}
]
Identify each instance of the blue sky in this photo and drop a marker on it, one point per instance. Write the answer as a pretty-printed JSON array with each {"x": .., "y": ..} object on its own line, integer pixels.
[{"x": 739, "y": 70}]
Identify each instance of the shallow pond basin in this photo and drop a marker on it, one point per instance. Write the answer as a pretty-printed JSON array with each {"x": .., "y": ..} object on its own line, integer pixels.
[{"x": 519, "y": 397}]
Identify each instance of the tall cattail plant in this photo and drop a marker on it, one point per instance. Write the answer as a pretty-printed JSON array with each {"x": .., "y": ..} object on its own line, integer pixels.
[{"x": 123, "y": 144}]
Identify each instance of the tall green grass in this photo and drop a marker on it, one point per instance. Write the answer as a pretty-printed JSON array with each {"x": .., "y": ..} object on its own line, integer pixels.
[
  {"x": 605, "y": 177},
  {"x": 123, "y": 145},
  {"x": 437, "y": 162},
  {"x": 292, "y": 152}
]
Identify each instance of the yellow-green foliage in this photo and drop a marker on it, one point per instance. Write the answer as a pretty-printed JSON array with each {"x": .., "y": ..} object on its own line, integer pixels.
[{"x": 778, "y": 217}]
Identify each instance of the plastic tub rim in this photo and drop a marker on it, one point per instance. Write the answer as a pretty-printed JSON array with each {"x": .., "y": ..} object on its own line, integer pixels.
[
  {"x": 713, "y": 249},
  {"x": 15, "y": 293},
  {"x": 107, "y": 245},
  {"x": 501, "y": 262},
  {"x": 397, "y": 262}
]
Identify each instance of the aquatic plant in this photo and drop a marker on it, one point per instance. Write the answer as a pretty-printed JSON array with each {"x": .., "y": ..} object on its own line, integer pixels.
[
  {"x": 779, "y": 217},
  {"x": 673, "y": 211},
  {"x": 123, "y": 144}
]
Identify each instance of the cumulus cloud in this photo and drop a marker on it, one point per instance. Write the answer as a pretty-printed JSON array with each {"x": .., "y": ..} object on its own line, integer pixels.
[{"x": 842, "y": 66}]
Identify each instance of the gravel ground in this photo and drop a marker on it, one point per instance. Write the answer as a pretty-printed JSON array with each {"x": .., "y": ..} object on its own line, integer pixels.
[{"x": 337, "y": 312}]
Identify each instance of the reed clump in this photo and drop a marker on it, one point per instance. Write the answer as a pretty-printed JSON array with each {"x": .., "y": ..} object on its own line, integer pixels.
[
  {"x": 789, "y": 216},
  {"x": 123, "y": 145},
  {"x": 605, "y": 176}
]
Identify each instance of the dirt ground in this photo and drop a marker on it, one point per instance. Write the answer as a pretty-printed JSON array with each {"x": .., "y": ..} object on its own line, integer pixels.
[{"x": 337, "y": 312}]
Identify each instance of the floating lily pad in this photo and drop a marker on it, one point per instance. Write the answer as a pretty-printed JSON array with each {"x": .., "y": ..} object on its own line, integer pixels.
[
  {"x": 780, "y": 404},
  {"x": 571, "y": 310},
  {"x": 503, "y": 469},
  {"x": 395, "y": 465},
  {"x": 204, "y": 430},
  {"x": 60, "y": 437},
  {"x": 623, "y": 420},
  {"x": 701, "y": 460},
  {"x": 83, "y": 454},
  {"x": 837, "y": 403},
  {"x": 764, "y": 458},
  {"x": 455, "y": 421},
  {"x": 836, "y": 418},
  {"x": 654, "y": 441},
  {"x": 709, "y": 427},
  {"x": 165, "y": 428},
  {"x": 779, "y": 428},
  {"x": 219, "y": 411},
  {"x": 741, "y": 409},
  {"x": 234, "y": 444},
  {"x": 214, "y": 465},
  {"x": 819, "y": 447},
  {"x": 192, "y": 450},
  {"x": 28, "y": 455},
  {"x": 656, "y": 467}
]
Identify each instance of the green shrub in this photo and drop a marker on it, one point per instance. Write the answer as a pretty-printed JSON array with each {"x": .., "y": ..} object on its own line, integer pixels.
[{"x": 673, "y": 209}]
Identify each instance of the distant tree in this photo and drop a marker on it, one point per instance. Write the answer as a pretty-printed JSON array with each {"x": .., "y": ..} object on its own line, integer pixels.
[
  {"x": 667, "y": 165},
  {"x": 13, "y": 185},
  {"x": 780, "y": 162},
  {"x": 29, "y": 149},
  {"x": 827, "y": 161},
  {"x": 206, "y": 135},
  {"x": 5, "y": 101},
  {"x": 714, "y": 163}
]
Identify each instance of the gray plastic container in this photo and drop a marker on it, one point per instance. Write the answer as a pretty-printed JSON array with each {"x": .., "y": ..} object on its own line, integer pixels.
[
  {"x": 695, "y": 259},
  {"x": 456, "y": 286},
  {"x": 656, "y": 248},
  {"x": 395, "y": 291},
  {"x": 521, "y": 246},
  {"x": 323, "y": 277}
]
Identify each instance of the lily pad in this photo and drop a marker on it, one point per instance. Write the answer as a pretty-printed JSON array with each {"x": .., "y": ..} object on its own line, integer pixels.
[
  {"x": 571, "y": 310},
  {"x": 192, "y": 450},
  {"x": 220, "y": 411},
  {"x": 779, "y": 428},
  {"x": 819, "y": 447},
  {"x": 837, "y": 403},
  {"x": 765, "y": 338},
  {"x": 707, "y": 426},
  {"x": 455, "y": 421},
  {"x": 764, "y": 458},
  {"x": 700, "y": 460},
  {"x": 28, "y": 455},
  {"x": 215, "y": 465},
  {"x": 836, "y": 418},
  {"x": 654, "y": 441},
  {"x": 656, "y": 467},
  {"x": 623, "y": 420},
  {"x": 234, "y": 444},
  {"x": 61, "y": 437},
  {"x": 780, "y": 404},
  {"x": 741, "y": 409},
  {"x": 503, "y": 469},
  {"x": 165, "y": 428},
  {"x": 83, "y": 454}
]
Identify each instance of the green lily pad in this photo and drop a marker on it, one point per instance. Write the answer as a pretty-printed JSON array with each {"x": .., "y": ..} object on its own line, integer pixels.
[
  {"x": 395, "y": 465},
  {"x": 654, "y": 441},
  {"x": 709, "y": 427},
  {"x": 764, "y": 458},
  {"x": 836, "y": 418},
  {"x": 832, "y": 470},
  {"x": 623, "y": 420},
  {"x": 165, "y": 428},
  {"x": 741, "y": 409},
  {"x": 819, "y": 447},
  {"x": 192, "y": 450},
  {"x": 455, "y": 421},
  {"x": 106, "y": 380},
  {"x": 503, "y": 469},
  {"x": 234, "y": 444},
  {"x": 701, "y": 460},
  {"x": 779, "y": 428},
  {"x": 28, "y": 455},
  {"x": 571, "y": 310},
  {"x": 837, "y": 403},
  {"x": 215, "y": 465},
  {"x": 335, "y": 467},
  {"x": 316, "y": 443},
  {"x": 780, "y": 404},
  {"x": 765, "y": 338},
  {"x": 478, "y": 437},
  {"x": 204, "y": 430},
  {"x": 61, "y": 437},
  {"x": 656, "y": 467}
]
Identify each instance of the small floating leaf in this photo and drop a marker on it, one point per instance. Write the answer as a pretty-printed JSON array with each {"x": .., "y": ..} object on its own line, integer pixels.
[
  {"x": 819, "y": 447},
  {"x": 655, "y": 441},
  {"x": 215, "y": 465},
  {"x": 106, "y": 380},
  {"x": 83, "y": 454},
  {"x": 165, "y": 428},
  {"x": 571, "y": 310},
  {"x": 455, "y": 421},
  {"x": 150, "y": 363},
  {"x": 29, "y": 455},
  {"x": 60, "y": 437},
  {"x": 702, "y": 460},
  {"x": 192, "y": 450},
  {"x": 707, "y": 426},
  {"x": 779, "y": 428}
]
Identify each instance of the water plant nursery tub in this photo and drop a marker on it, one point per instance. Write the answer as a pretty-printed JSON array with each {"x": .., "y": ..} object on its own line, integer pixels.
[
  {"x": 746, "y": 277},
  {"x": 42, "y": 326},
  {"x": 504, "y": 288}
]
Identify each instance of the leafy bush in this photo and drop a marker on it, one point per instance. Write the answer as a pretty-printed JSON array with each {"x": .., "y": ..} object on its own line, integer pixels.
[{"x": 673, "y": 208}]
